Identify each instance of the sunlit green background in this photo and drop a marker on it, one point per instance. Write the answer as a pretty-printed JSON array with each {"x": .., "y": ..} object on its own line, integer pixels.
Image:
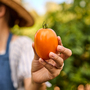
[{"x": 72, "y": 23}]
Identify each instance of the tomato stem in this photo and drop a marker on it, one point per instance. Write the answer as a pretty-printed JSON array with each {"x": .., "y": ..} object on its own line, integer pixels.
[{"x": 44, "y": 25}]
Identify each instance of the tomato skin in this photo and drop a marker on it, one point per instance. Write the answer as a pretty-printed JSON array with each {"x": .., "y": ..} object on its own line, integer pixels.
[{"x": 45, "y": 42}]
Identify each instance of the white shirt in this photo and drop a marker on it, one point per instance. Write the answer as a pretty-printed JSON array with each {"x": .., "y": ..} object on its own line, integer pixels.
[{"x": 21, "y": 56}]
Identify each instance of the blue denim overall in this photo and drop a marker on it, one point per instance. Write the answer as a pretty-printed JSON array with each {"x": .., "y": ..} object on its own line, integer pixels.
[{"x": 5, "y": 72}]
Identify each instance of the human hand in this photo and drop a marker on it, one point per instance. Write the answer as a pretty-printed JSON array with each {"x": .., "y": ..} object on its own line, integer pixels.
[{"x": 45, "y": 70}]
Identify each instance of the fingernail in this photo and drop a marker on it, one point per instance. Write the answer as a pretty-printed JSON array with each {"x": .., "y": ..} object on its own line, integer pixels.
[
  {"x": 60, "y": 48},
  {"x": 41, "y": 60},
  {"x": 52, "y": 54}
]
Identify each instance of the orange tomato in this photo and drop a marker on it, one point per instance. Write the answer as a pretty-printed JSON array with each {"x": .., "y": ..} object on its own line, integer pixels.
[{"x": 45, "y": 42}]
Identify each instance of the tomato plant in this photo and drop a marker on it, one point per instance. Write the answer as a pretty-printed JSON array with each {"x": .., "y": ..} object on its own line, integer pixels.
[{"x": 45, "y": 42}]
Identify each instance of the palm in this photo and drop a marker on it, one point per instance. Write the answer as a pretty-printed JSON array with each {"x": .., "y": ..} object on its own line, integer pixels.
[{"x": 39, "y": 73}]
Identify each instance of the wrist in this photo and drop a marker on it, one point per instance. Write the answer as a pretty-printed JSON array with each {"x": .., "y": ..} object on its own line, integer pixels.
[{"x": 37, "y": 86}]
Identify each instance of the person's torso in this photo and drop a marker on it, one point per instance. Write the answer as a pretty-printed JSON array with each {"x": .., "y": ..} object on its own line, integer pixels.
[
  {"x": 5, "y": 71},
  {"x": 17, "y": 68}
]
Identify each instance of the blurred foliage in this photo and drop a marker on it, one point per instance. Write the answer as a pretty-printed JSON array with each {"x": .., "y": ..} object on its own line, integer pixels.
[{"x": 72, "y": 23}]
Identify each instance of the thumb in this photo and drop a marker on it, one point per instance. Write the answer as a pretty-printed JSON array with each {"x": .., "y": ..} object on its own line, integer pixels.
[{"x": 35, "y": 54}]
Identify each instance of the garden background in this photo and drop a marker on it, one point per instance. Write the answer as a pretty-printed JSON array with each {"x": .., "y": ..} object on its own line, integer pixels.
[{"x": 71, "y": 21}]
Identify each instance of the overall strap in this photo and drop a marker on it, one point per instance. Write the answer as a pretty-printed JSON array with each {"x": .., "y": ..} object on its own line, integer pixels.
[{"x": 8, "y": 42}]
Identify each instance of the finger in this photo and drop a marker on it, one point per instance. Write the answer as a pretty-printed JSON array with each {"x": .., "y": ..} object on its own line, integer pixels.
[
  {"x": 35, "y": 54},
  {"x": 59, "y": 41},
  {"x": 48, "y": 66},
  {"x": 57, "y": 59},
  {"x": 50, "y": 61},
  {"x": 65, "y": 52}
]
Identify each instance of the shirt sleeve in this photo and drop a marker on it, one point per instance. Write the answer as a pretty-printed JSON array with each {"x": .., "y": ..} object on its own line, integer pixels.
[{"x": 25, "y": 60}]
